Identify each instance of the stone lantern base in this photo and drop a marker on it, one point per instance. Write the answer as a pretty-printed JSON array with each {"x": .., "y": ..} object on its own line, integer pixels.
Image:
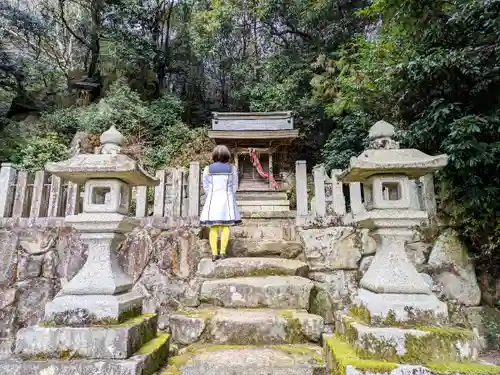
[{"x": 130, "y": 348}]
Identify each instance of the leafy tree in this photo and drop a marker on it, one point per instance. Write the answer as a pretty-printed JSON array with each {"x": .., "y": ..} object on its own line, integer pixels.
[{"x": 433, "y": 70}]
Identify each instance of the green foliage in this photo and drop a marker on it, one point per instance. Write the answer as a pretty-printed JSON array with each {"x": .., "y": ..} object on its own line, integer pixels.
[
  {"x": 121, "y": 107},
  {"x": 178, "y": 146},
  {"x": 431, "y": 70},
  {"x": 64, "y": 122},
  {"x": 346, "y": 141},
  {"x": 36, "y": 151},
  {"x": 163, "y": 114}
]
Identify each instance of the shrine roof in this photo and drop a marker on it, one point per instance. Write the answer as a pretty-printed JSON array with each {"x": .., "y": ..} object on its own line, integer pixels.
[{"x": 252, "y": 121}]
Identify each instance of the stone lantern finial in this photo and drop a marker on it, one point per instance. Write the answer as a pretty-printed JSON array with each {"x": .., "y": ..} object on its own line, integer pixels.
[
  {"x": 111, "y": 141},
  {"x": 380, "y": 136}
]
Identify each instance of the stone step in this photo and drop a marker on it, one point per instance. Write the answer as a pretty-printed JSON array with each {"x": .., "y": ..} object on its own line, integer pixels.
[
  {"x": 408, "y": 345},
  {"x": 262, "y": 209},
  {"x": 108, "y": 342},
  {"x": 343, "y": 358},
  {"x": 260, "y": 196},
  {"x": 264, "y": 202},
  {"x": 266, "y": 229},
  {"x": 268, "y": 214},
  {"x": 244, "y": 247},
  {"x": 277, "y": 292},
  {"x": 246, "y": 360},
  {"x": 146, "y": 361},
  {"x": 246, "y": 326},
  {"x": 241, "y": 267}
]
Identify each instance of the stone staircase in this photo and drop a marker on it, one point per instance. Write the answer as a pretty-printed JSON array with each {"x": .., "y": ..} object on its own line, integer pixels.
[{"x": 253, "y": 316}]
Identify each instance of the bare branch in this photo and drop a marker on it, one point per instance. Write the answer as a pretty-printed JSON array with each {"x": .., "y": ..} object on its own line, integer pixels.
[{"x": 63, "y": 19}]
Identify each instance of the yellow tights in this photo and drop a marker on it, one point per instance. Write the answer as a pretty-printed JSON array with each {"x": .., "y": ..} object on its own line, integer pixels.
[{"x": 214, "y": 236}]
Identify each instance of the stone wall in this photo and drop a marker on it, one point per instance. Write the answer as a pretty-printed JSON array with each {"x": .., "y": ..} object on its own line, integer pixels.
[
  {"x": 339, "y": 256},
  {"x": 36, "y": 261},
  {"x": 40, "y": 256}
]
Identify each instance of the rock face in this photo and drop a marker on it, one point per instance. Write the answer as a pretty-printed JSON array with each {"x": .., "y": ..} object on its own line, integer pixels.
[
  {"x": 332, "y": 292},
  {"x": 332, "y": 248},
  {"x": 453, "y": 271}
]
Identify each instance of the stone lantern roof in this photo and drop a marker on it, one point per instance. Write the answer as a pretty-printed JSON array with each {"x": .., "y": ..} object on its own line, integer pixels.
[
  {"x": 108, "y": 164},
  {"x": 385, "y": 157}
]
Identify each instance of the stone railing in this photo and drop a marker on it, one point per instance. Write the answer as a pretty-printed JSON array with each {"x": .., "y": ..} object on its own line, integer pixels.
[
  {"x": 39, "y": 194},
  {"x": 332, "y": 198},
  {"x": 180, "y": 195}
]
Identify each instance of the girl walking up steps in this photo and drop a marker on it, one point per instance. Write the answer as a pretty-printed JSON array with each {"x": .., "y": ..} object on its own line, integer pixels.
[{"x": 220, "y": 182}]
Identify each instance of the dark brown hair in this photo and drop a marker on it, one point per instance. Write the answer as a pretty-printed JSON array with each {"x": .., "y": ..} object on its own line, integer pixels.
[{"x": 221, "y": 154}]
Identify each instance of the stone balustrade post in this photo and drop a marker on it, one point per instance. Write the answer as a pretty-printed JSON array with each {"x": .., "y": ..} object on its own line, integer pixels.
[
  {"x": 55, "y": 196},
  {"x": 301, "y": 187},
  {"x": 8, "y": 176},
  {"x": 338, "y": 193},
  {"x": 37, "y": 199},
  {"x": 159, "y": 203},
  {"x": 194, "y": 189},
  {"x": 20, "y": 195},
  {"x": 141, "y": 201},
  {"x": 319, "y": 190},
  {"x": 428, "y": 194},
  {"x": 356, "y": 199}
]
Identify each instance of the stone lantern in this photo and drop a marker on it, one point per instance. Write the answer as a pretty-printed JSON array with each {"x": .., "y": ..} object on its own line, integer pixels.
[
  {"x": 392, "y": 285},
  {"x": 101, "y": 288}
]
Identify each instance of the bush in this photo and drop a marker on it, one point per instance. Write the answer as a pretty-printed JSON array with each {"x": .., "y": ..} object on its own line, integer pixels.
[
  {"x": 121, "y": 107},
  {"x": 36, "y": 151},
  {"x": 177, "y": 147},
  {"x": 346, "y": 141}
]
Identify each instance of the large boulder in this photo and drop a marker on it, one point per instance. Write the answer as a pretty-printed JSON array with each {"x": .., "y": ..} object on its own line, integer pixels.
[
  {"x": 333, "y": 248},
  {"x": 332, "y": 292},
  {"x": 451, "y": 268}
]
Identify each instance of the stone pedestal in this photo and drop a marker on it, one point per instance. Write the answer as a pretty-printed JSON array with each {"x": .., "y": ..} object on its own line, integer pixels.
[
  {"x": 101, "y": 288},
  {"x": 94, "y": 325}
]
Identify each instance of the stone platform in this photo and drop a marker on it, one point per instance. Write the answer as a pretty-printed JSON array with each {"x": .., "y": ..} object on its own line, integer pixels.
[
  {"x": 145, "y": 361},
  {"x": 103, "y": 342},
  {"x": 343, "y": 359},
  {"x": 408, "y": 345}
]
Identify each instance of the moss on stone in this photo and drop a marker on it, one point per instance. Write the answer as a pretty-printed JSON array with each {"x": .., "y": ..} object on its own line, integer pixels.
[
  {"x": 157, "y": 352},
  {"x": 390, "y": 319},
  {"x": 293, "y": 327},
  {"x": 452, "y": 368},
  {"x": 205, "y": 314},
  {"x": 344, "y": 354},
  {"x": 439, "y": 344},
  {"x": 133, "y": 320},
  {"x": 374, "y": 348},
  {"x": 63, "y": 355},
  {"x": 265, "y": 271},
  {"x": 301, "y": 350},
  {"x": 360, "y": 313},
  {"x": 153, "y": 345},
  {"x": 176, "y": 363}
]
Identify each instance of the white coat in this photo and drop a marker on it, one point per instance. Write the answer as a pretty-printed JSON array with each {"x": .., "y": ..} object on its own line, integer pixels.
[{"x": 220, "y": 182}]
